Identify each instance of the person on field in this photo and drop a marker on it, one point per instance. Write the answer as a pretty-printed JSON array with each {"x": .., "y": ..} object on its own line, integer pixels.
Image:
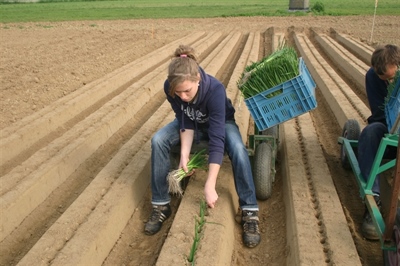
[
  {"x": 385, "y": 63},
  {"x": 202, "y": 111}
]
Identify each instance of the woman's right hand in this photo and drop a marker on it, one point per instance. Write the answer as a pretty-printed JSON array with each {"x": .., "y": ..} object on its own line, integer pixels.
[
  {"x": 210, "y": 195},
  {"x": 186, "y": 145},
  {"x": 183, "y": 164}
]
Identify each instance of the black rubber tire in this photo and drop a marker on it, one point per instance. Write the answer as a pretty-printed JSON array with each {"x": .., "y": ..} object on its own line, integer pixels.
[
  {"x": 272, "y": 131},
  {"x": 392, "y": 258},
  {"x": 262, "y": 171},
  {"x": 351, "y": 131}
]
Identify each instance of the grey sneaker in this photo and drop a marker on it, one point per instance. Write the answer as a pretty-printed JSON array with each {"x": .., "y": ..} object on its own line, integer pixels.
[
  {"x": 251, "y": 233},
  {"x": 367, "y": 228},
  {"x": 159, "y": 214}
]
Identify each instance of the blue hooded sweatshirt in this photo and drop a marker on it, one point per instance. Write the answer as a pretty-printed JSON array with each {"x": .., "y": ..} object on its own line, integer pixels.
[
  {"x": 209, "y": 112},
  {"x": 376, "y": 92}
]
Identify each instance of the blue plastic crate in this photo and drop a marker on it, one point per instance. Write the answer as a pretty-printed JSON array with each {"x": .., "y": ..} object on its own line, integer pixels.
[
  {"x": 297, "y": 97},
  {"x": 392, "y": 108}
]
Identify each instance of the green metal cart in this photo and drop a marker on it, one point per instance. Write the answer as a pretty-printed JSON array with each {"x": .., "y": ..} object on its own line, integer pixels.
[{"x": 388, "y": 229}]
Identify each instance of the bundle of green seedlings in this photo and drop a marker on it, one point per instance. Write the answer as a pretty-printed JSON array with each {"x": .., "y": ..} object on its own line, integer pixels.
[
  {"x": 274, "y": 69},
  {"x": 198, "y": 161}
]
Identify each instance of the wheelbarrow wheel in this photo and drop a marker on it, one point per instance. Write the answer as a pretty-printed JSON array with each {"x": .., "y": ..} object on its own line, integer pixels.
[
  {"x": 392, "y": 258},
  {"x": 262, "y": 171},
  {"x": 274, "y": 133},
  {"x": 351, "y": 131}
]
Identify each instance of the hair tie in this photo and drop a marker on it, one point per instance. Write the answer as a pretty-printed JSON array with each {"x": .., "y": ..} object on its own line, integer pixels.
[{"x": 183, "y": 55}]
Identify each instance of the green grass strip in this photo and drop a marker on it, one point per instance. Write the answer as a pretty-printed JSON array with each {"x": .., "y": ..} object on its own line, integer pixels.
[{"x": 70, "y": 10}]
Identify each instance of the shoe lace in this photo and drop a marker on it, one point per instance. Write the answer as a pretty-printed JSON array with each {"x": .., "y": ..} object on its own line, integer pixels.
[
  {"x": 378, "y": 201},
  {"x": 155, "y": 214},
  {"x": 251, "y": 226},
  {"x": 368, "y": 217}
]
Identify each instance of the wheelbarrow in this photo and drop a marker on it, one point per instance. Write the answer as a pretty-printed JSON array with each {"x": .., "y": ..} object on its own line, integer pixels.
[
  {"x": 269, "y": 109},
  {"x": 262, "y": 150}
]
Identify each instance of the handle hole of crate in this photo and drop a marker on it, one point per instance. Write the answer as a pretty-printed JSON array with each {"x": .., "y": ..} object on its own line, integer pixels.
[{"x": 274, "y": 94}]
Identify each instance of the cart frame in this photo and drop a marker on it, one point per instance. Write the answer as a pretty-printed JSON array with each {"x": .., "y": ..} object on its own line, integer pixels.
[
  {"x": 262, "y": 150},
  {"x": 383, "y": 228}
]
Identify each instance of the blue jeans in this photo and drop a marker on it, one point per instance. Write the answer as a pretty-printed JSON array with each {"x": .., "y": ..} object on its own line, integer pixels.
[
  {"x": 368, "y": 144},
  {"x": 168, "y": 136}
]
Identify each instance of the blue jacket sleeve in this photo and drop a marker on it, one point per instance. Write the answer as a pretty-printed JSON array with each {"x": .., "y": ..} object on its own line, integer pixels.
[
  {"x": 216, "y": 131},
  {"x": 376, "y": 92}
]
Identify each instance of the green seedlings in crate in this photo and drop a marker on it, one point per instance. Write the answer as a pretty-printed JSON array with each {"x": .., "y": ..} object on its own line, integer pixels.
[
  {"x": 273, "y": 94},
  {"x": 198, "y": 161},
  {"x": 280, "y": 66}
]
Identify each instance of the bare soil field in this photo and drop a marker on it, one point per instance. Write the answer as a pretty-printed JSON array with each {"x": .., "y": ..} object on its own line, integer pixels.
[{"x": 80, "y": 101}]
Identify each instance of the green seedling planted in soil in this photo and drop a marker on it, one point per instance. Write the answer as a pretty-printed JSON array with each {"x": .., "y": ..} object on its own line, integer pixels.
[{"x": 198, "y": 231}]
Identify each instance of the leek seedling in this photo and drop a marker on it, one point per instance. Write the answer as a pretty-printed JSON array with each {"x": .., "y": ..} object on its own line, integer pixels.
[
  {"x": 198, "y": 231},
  {"x": 280, "y": 66},
  {"x": 198, "y": 161}
]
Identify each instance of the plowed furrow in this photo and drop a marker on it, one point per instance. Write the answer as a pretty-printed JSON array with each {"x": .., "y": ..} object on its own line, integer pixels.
[
  {"x": 358, "y": 48},
  {"x": 111, "y": 160},
  {"x": 336, "y": 92},
  {"x": 59, "y": 159},
  {"x": 351, "y": 66},
  {"x": 19, "y": 137}
]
